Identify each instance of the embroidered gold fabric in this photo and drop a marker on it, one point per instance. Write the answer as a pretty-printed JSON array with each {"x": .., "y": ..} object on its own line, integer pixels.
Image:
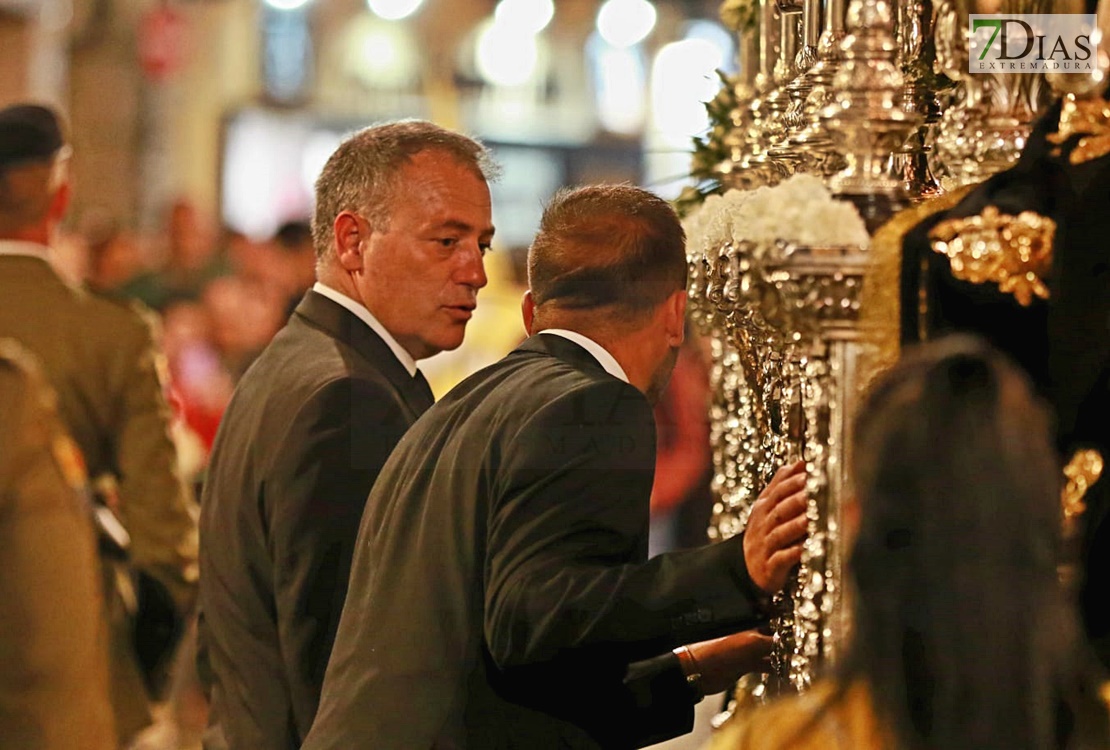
[
  {"x": 880, "y": 304},
  {"x": 1089, "y": 118},
  {"x": 1082, "y": 471},
  {"x": 824, "y": 718},
  {"x": 1014, "y": 252}
]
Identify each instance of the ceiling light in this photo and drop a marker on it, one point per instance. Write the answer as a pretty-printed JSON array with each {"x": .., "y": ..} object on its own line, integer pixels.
[
  {"x": 394, "y": 10},
  {"x": 525, "y": 16},
  {"x": 623, "y": 23}
]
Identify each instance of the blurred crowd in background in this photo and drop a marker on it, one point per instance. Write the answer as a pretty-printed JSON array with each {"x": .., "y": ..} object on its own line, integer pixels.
[{"x": 219, "y": 295}]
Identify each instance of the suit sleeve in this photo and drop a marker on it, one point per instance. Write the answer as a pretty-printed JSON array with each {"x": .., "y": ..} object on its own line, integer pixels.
[
  {"x": 571, "y": 600},
  {"x": 158, "y": 510},
  {"x": 315, "y": 493}
]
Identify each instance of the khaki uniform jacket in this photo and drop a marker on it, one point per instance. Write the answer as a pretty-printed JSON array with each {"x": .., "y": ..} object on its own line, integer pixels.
[
  {"x": 53, "y": 640},
  {"x": 102, "y": 361}
]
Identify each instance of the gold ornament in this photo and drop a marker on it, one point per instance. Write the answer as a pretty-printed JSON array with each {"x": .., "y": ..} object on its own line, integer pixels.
[
  {"x": 1082, "y": 471},
  {"x": 1014, "y": 252},
  {"x": 1089, "y": 118}
]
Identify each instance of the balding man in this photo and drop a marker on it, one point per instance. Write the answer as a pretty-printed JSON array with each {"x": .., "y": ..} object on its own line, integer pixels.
[
  {"x": 501, "y": 595},
  {"x": 402, "y": 224}
]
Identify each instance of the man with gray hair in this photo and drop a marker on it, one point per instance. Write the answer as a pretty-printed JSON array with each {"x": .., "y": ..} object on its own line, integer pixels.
[
  {"x": 501, "y": 596},
  {"x": 401, "y": 227}
]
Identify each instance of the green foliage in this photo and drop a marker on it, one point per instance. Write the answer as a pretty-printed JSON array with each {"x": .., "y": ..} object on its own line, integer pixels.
[{"x": 740, "y": 15}]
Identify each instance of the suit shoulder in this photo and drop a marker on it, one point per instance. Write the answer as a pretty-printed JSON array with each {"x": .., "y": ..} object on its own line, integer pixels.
[
  {"x": 566, "y": 396},
  {"x": 362, "y": 387},
  {"x": 571, "y": 383},
  {"x": 308, "y": 362}
]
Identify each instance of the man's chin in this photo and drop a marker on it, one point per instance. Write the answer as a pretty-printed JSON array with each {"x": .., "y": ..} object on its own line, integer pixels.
[{"x": 453, "y": 340}]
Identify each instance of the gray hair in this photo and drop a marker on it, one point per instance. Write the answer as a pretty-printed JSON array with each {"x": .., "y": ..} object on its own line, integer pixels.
[{"x": 361, "y": 174}]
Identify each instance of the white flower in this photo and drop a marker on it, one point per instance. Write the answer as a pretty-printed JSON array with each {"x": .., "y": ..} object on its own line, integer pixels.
[{"x": 799, "y": 210}]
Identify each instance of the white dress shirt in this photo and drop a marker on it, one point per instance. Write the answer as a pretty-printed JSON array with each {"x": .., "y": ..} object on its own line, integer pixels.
[
  {"x": 368, "y": 318},
  {"x": 603, "y": 357}
]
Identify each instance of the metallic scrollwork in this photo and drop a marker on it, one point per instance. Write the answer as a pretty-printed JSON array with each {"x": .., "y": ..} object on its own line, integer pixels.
[{"x": 782, "y": 372}]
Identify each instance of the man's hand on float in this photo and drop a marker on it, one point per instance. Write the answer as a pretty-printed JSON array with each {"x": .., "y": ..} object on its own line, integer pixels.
[
  {"x": 777, "y": 528},
  {"x": 716, "y": 665}
]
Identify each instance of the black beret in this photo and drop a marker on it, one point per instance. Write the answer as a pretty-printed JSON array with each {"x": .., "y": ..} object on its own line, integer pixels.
[{"x": 28, "y": 132}]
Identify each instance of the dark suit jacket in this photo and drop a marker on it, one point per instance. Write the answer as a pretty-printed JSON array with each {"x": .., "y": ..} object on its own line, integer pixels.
[
  {"x": 501, "y": 589},
  {"x": 307, "y": 431}
]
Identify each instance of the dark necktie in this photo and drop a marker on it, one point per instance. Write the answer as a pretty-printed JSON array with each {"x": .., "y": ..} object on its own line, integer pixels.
[{"x": 421, "y": 387}]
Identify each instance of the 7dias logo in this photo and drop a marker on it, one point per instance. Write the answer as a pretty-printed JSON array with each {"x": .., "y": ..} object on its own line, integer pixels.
[{"x": 1033, "y": 43}]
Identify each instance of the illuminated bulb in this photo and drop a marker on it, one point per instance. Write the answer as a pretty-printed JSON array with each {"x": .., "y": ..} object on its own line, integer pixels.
[
  {"x": 621, "y": 95},
  {"x": 504, "y": 57},
  {"x": 525, "y": 16},
  {"x": 682, "y": 79},
  {"x": 393, "y": 10},
  {"x": 623, "y": 23},
  {"x": 286, "y": 4}
]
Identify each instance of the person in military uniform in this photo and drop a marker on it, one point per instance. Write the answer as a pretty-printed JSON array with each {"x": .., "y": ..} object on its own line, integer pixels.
[
  {"x": 100, "y": 356},
  {"x": 53, "y": 646}
]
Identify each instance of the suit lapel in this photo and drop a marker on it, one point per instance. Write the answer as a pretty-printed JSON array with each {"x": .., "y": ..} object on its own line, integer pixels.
[{"x": 342, "y": 324}]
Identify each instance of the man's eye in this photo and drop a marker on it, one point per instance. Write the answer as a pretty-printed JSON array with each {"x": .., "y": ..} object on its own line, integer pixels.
[
  {"x": 447, "y": 241},
  {"x": 485, "y": 247}
]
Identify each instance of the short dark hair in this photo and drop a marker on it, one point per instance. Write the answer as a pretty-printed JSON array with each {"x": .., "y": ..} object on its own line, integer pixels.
[
  {"x": 607, "y": 246},
  {"x": 32, "y": 157},
  {"x": 360, "y": 174},
  {"x": 29, "y": 133}
]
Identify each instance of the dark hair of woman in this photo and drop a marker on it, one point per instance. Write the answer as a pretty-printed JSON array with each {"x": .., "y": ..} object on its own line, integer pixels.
[{"x": 962, "y": 630}]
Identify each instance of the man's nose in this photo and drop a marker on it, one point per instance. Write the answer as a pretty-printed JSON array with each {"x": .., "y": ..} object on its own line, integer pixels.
[{"x": 472, "y": 269}]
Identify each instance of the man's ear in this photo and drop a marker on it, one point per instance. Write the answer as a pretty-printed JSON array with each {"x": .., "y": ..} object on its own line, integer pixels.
[
  {"x": 528, "y": 311},
  {"x": 349, "y": 239},
  {"x": 59, "y": 202},
  {"x": 674, "y": 318}
]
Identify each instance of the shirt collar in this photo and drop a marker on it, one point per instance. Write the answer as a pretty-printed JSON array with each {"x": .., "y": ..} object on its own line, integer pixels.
[
  {"x": 603, "y": 357},
  {"x": 362, "y": 313},
  {"x": 20, "y": 247}
]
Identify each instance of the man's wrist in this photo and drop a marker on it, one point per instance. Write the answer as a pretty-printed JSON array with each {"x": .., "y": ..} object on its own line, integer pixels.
[{"x": 691, "y": 670}]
